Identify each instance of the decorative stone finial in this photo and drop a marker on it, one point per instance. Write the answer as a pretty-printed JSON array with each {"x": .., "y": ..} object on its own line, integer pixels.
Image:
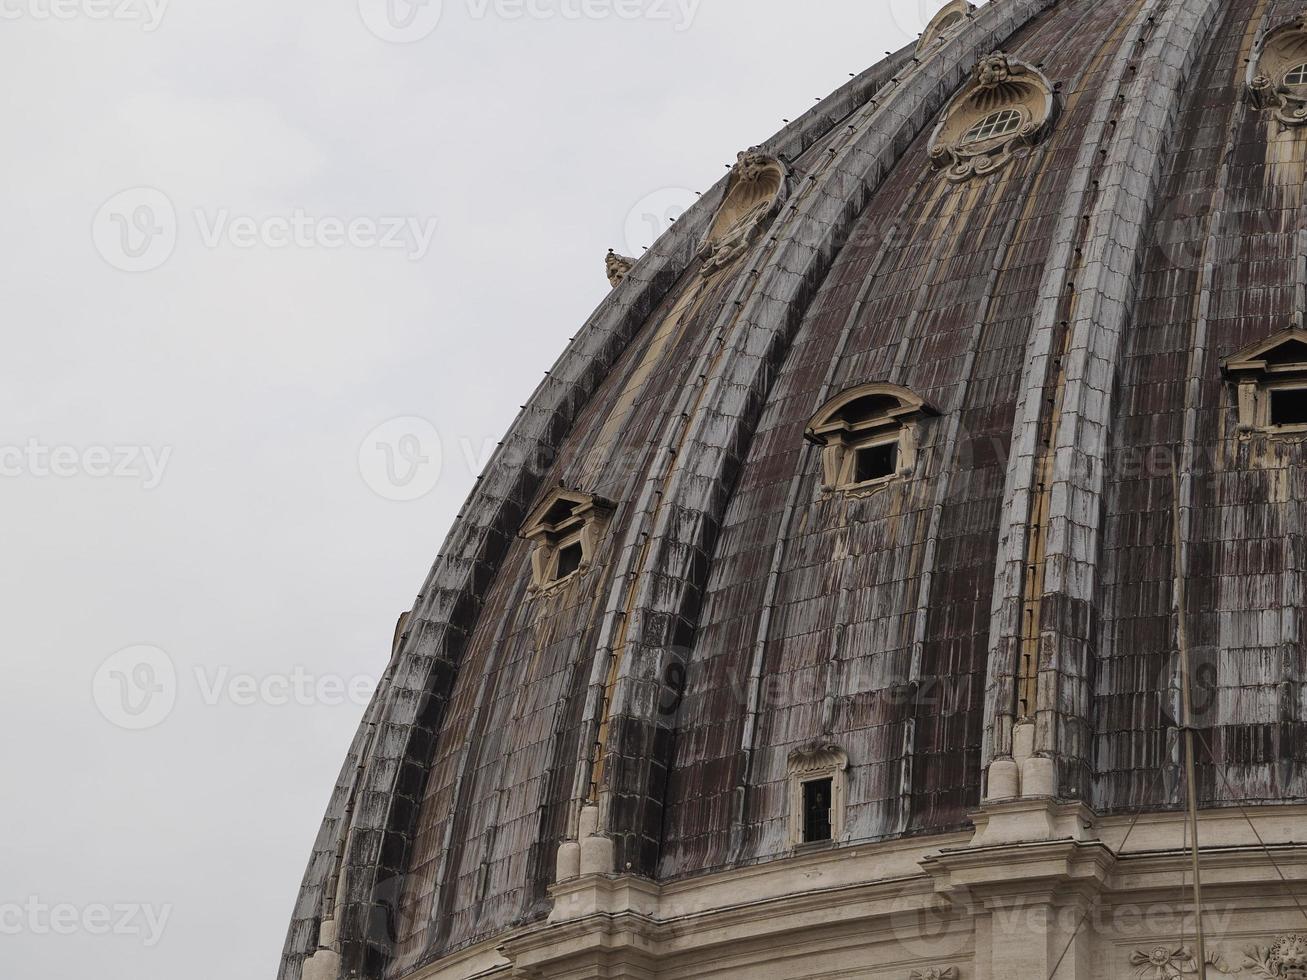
[{"x": 618, "y": 266}]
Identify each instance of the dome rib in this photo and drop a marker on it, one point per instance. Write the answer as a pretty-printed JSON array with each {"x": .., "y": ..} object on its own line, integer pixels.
[
  {"x": 383, "y": 763},
  {"x": 1091, "y": 295},
  {"x": 667, "y": 579}
]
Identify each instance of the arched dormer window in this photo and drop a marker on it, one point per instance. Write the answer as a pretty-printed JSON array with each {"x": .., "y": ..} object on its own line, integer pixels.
[
  {"x": 1007, "y": 107},
  {"x": 1297, "y": 75},
  {"x": 868, "y": 435},
  {"x": 566, "y": 528},
  {"x": 1271, "y": 380}
]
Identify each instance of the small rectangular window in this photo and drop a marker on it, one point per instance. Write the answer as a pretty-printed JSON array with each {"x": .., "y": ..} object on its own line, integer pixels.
[
  {"x": 1289, "y": 406},
  {"x": 569, "y": 560},
  {"x": 875, "y": 462},
  {"x": 817, "y": 810}
]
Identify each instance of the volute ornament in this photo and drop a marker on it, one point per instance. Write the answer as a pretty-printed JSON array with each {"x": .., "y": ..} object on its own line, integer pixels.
[{"x": 1271, "y": 69}]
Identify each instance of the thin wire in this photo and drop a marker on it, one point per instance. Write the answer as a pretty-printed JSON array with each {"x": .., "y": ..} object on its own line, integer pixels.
[
  {"x": 1184, "y": 883},
  {"x": 1253, "y": 827},
  {"x": 1187, "y": 705},
  {"x": 1125, "y": 840}
]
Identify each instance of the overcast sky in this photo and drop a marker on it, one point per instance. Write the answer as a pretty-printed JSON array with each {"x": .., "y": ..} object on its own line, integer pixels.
[{"x": 240, "y": 239}]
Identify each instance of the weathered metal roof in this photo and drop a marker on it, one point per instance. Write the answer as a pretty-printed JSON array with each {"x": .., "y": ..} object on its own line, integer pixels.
[{"x": 1066, "y": 313}]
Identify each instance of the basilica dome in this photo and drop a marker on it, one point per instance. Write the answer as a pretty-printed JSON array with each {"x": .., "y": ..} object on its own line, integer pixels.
[{"x": 843, "y": 576}]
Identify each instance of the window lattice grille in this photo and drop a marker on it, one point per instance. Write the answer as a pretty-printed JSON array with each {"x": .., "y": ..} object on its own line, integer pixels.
[{"x": 997, "y": 124}]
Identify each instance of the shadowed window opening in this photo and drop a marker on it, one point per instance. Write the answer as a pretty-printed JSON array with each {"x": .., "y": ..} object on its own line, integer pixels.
[
  {"x": 1296, "y": 75},
  {"x": 569, "y": 560},
  {"x": 816, "y": 810},
  {"x": 995, "y": 124},
  {"x": 1289, "y": 407},
  {"x": 876, "y": 462}
]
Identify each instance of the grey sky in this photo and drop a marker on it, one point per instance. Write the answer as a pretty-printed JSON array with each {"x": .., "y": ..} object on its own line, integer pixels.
[{"x": 180, "y": 447}]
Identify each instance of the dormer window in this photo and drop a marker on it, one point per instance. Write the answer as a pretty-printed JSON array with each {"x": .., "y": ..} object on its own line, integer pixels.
[
  {"x": 566, "y": 528},
  {"x": 868, "y": 435},
  {"x": 1277, "y": 74},
  {"x": 818, "y": 794},
  {"x": 1007, "y": 108},
  {"x": 1271, "y": 380}
]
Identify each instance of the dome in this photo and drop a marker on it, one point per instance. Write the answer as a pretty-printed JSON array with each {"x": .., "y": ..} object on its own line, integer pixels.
[{"x": 856, "y": 548}]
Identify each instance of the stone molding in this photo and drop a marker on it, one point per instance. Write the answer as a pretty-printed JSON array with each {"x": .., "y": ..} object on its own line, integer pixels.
[{"x": 979, "y": 908}]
